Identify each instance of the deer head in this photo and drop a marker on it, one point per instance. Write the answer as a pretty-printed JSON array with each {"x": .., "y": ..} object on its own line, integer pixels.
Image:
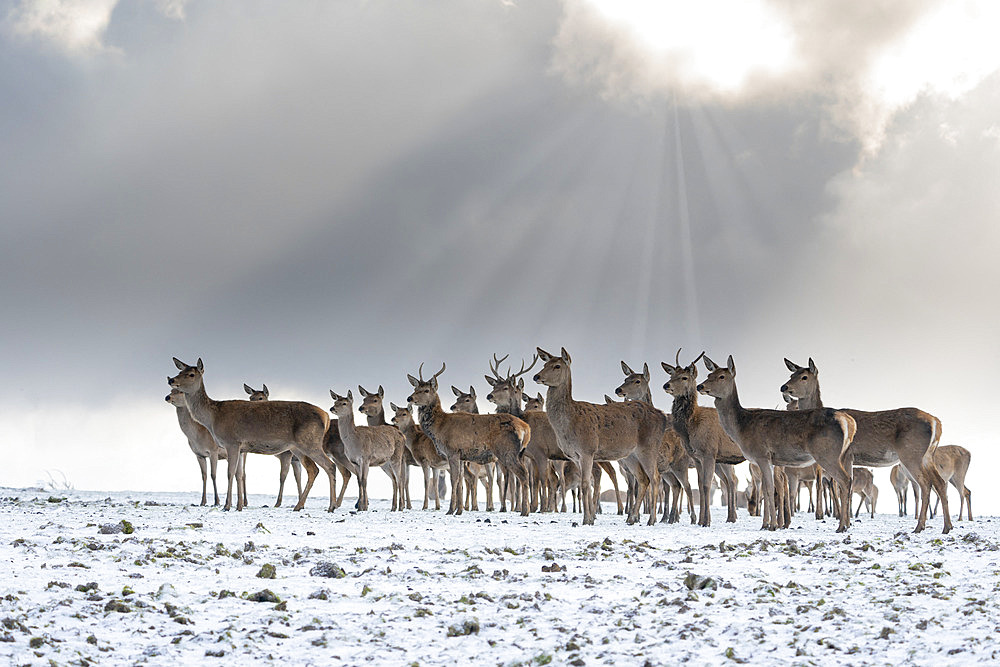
[
  {"x": 555, "y": 372},
  {"x": 425, "y": 392},
  {"x": 636, "y": 385},
  {"x": 683, "y": 379},
  {"x": 255, "y": 395},
  {"x": 176, "y": 398},
  {"x": 402, "y": 418},
  {"x": 507, "y": 391},
  {"x": 464, "y": 401},
  {"x": 343, "y": 406},
  {"x": 537, "y": 403},
  {"x": 371, "y": 402},
  {"x": 803, "y": 381},
  {"x": 190, "y": 378},
  {"x": 720, "y": 382}
]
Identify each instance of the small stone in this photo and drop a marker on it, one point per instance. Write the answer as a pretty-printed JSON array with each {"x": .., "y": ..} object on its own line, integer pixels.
[
  {"x": 264, "y": 596},
  {"x": 267, "y": 571},
  {"x": 328, "y": 569},
  {"x": 165, "y": 590}
]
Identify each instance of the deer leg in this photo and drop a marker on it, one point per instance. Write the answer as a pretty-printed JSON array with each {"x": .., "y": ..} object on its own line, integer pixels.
[
  {"x": 706, "y": 470},
  {"x": 457, "y": 490},
  {"x": 241, "y": 483},
  {"x": 608, "y": 468},
  {"x": 232, "y": 464},
  {"x": 203, "y": 464},
  {"x": 492, "y": 474},
  {"x": 820, "y": 502},
  {"x": 285, "y": 459},
  {"x": 767, "y": 495},
  {"x": 345, "y": 474}
]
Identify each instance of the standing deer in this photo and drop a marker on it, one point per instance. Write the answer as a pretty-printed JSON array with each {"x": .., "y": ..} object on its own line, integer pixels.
[
  {"x": 673, "y": 461},
  {"x": 371, "y": 407},
  {"x": 905, "y": 435},
  {"x": 470, "y": 437},
  {"x": 260, "y": 427},
  {"x": 780, "y": 437},
  {"x": 423, "y": 451},
  {"x": 366, "y": 446},
  {"x": 587, "y": 432},
  {"x": 702, "y": 435},
  {"x": 287, "y": 459},
  {"x": 864, "y": 486},
  {"x": 478, "y": 473},
  {"x": 201, "y": 443},
  {"x": 952, "y": 463},
  {"x": 900, "y": 482}
]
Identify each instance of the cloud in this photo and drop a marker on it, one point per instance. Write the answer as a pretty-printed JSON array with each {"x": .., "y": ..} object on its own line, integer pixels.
[{"x": 866, "y": 61}]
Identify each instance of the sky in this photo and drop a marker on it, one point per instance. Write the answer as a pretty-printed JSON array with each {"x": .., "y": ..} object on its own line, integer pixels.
[{"x": 315, "y": 195}]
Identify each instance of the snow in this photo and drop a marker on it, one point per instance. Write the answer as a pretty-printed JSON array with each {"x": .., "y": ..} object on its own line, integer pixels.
[{"x": 807, "y": 595}]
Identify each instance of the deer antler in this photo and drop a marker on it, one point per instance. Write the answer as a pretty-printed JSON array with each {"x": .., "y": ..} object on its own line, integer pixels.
[
  {"x": 698, "y": 358},
  {"x": 420, "y": 371},
  {"x": 523, "y": 369},
  {"x": 440, "y": 371},
  {"x": 495, "y": 365},
  {"x": 677, "y": 358}
]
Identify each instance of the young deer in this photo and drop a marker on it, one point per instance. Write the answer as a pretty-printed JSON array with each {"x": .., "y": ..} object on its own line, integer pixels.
[
  {"x": 779, "y": 437},
  {"x": 952, "y": 463},
  {"x": 423, "y": 451},
  {"x": 864, "y": 486},
  {"x": 366, "y": 446},
  {"x": 906, "y": 435},
  {"x": 587, "y": 432},
  {"x": 673, "y": 461},
  {"x": 702, "y": 435},
  {"x": 470, "y": 437},
  {"x": 477, "y": 473},
  {"x": 900, "y": 482},
  {"x": 201, "y": 443},
  {"x": 287, "y": 459},
  {"x": 260, "y": 427},
  {"x": 371, "y": 408}
]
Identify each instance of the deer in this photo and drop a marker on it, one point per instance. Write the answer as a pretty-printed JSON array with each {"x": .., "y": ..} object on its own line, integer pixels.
[
  {"x": 423, "y": 451},
  {"x": 477, "y": 473},
  {"x": 864, "y": 486},
  {"x": 201, "y": 442},
  {"x": 259, "y": 427},
  {"x": 952, "y": 463},
  {"x": 470, "y": 437},
  {"x": 905, "y": 435},
  {"x": 900, "y": 482},
  {"x": 366, "y": 446},
  {"x": 702, "y": 435},
  {"x": 781, "y": 437},
  {"x": 673, "y": 461},
  {"x": 287, "y": 459},
  {"x": 587, "y": 432},
  {"x": 371, "y": 408}
]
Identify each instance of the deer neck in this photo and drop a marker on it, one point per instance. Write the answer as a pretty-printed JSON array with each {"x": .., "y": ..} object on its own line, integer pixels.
[
  {"x": 513, "y": 408},
  {"x": 682, "y": 410},
  {"x": 348, "y": 433},
  {"x": 431, "y": 416},
  {"x": 378, "y": 419},
  {"x": 730, "y": 410},
  {"x": 646, "y": 396},
  {"x": 559, "y": 398},
  {"x": 200, "y": 407},
  {"x": 811, "y": 401}
]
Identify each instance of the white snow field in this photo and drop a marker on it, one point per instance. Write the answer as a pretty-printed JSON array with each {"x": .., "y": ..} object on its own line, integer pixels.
[{"x": 423, "y": 588}]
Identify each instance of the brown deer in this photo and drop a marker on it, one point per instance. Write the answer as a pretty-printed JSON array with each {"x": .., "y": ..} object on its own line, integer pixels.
[
  {"x": 701, "y": 434},
  {"x": 864, "y": 486},
  {"x": 201, "y": 443},
  {"x": 900, "y": 483},
  {"x": 366, "y": 446},
  {"x": 952, "y": 463},
  {"x": 673, "y": 461},
  {"x": 587, "y": 432},
  {"x": 371, "y": 408},
  {"x": 478, "y": 473},
  {"x": 470, "y": 437},
  {"x": 423, "y": 451},
  {"x": 287, "y": 459},
  {"x": 905, "y": 435},
  {"x": 260, "y": 427},
  {"x": 780, "y": 437}
]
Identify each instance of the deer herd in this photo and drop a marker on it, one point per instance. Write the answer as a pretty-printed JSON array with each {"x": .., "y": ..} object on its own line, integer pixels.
[{"x": 538, "y": 449}]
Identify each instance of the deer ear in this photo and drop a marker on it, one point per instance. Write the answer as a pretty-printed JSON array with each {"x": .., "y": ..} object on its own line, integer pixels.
[
  {"x": 333, "y": 395},
  {"x": 200, "y": 366},
  {"x": 266, "y": 392},
  {"x": 667, "y": 367},
  {"x": 625, "y": 369},
  {"x": 381, "y": 392},
  {"x": 456, "y": 391},
  {"x": 364, "y": 392},
  {"x": 792, "y": 367},
  {"x": 247, "y": 389},
  {"x": 693, "y": 370},
  {"x": 710, "y": 365},
  {"x": 731, "y": 365},
  {"x": 812, "y": 367},
  {"x": 393, "y": 406},
  {"x": 472, "y": 392},
  {"x": 540, "y": 396},
  {"x": 350, "y": 396},
  {"x": 180, "y": 364},
  {"x": 414, "y": 381},
  {"x": 565, "y": 355},
  {"x": 520, "y": 384},
  {"x": 542, "y": 354},
  {"x": 490, "y": 381},
  {"x": 645, "y": 371},
  {"x": 434, "y": 383}
]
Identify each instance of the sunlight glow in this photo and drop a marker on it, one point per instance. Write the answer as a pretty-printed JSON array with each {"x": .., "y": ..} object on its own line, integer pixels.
[{"x": 721, "y": 43}]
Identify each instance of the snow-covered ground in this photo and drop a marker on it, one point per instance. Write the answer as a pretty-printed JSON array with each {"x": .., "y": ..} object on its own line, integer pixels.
[{"x": 425, "y": 588}]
